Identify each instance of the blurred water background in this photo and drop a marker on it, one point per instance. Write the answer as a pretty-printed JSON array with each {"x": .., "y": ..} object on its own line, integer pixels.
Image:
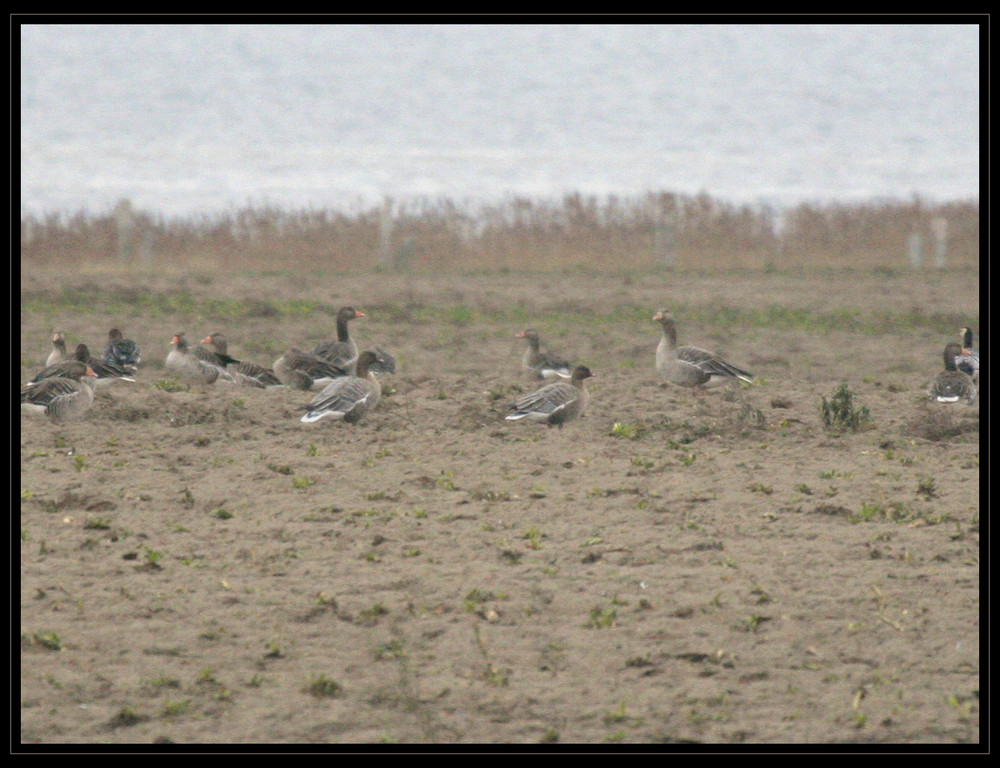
[{"x": 189, "y": 120}]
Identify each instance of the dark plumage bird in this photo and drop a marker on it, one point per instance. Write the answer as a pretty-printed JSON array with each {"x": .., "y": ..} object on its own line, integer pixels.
[
  {"x": 121, "y": 351},
  {"x": 70, "y": 368},
  {"x": 348, "y": 398},
  {"x": 304, "y": 370},
  {"x": 951, "y": 384},
  {"x": 218, "y": 354},
  {"x": 542, "y": 365},
  {"x": 692, "y": 366},
  {"x": 967, "y": 360},
  {"x": 105, "y": 373},
  {"x": 245, "y": 373},
  {"x": 184, "y": 364},
  {"x": 556, "y": 403},
  {"x": 343, "y": 352},
  {"x": 61, "y": 397}
]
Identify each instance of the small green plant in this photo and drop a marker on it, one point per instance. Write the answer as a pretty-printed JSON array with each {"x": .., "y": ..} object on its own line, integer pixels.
[
  {"x": 300, "y": 483},
  {"x": 840, "y": 411},
  {"x": 601, "y": 618},
  {"x": 221, "y": 514},
  {"x": 324, "y": 687},
  {"x": 534, "y": 537},
  {"x": 926, "y": 487},
  {"x": 153, "y": 558},
  {"x": 628, "y": 431}
]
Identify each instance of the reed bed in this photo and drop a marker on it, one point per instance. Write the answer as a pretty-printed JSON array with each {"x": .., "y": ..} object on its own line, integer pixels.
[{"x": 611, "y": 233}]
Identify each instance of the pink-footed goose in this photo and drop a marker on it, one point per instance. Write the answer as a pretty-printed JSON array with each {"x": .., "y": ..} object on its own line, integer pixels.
[
  {"x": 343, "y": 352},
  {"x": 692, "y": 366},
  {"x": 348, "y": 398},
  {"x": 60, "y": 398},
  {"x": 967, "y": 360},
  {"x": 556, "y": 403},
  {"x": 542, "y": 365},
  {"x": 951, "y": 384}
]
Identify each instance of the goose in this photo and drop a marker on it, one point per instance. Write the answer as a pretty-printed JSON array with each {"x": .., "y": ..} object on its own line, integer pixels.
[
  {"x": 245, "y": 373},
  {"x": 59, "y": 398},
  {"x": 106, "y": 373},
  {"x": 58, "y": 349},
  {"x": 951, "y": 384},
  {"x": 692, "y": 366},
  {"x": 556, "y": 403},
  {"x": 348, "y": 398},
  {"x": 967, "y": 360},
  {"x": 303, "y": 370},
  {"x": 542, "y": 365},
  {"x": 121, "y": 351},
  {"x": 184, "y": 364},
  {"x": 343, "y": 352},
  {"x": 71, "y": 368}
]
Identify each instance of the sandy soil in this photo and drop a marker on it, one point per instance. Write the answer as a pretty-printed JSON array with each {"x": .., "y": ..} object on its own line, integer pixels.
[{"x": 200, "y": 567}]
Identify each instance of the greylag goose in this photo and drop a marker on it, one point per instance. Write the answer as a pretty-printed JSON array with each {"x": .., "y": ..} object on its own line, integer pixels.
[
  {"x": 184, "y": 364},
  {"x": 542, "y": 365},
  {"x": 692, "y": 366},
  {"x": 348, "y": 398},
  {"x": 105, "y": 373},
  {"x": 556, "y": 403},
  {"x": 951, "y": 384},
  {"x": 343, "y": 352},
  {"x": 967, "y": 360},
  {"x": 59, "y": 398},
  {"x": 121, "y": 351},
  {"x": 70, "y": 368},
  {"x": 58, "y": 349},
  {"x": 303, "y": 370},
  {"x": 245, "y": 373}
]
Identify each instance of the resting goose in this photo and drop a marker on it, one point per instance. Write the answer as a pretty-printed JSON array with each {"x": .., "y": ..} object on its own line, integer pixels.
[
  {"x": 59, "y": 398},
  {"x": 343, "y": 352},
  {"x": 184, "y": 364},
  {"x": 303, "y": 370},
  {"x": 967, "y": 360},
  {"x": 951, "y": 384},
  {"x": 217, "y": 355},
  {"x": 58, "y": 349},
  {"x": 555, "y": 404},
  {"x": 542, "y": 365},
  {"x": 71, "y": 368},
  {"x": 692, "y": 366},
  {"x": 245, "y": 373},
  {"x": 348, "y": 398},
  {"x": 106, "y": 373},
  {"x": 121, "y": 351}
]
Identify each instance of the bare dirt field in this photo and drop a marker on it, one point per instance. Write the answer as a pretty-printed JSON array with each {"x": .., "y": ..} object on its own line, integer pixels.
[{"x": 198, "y": 566}]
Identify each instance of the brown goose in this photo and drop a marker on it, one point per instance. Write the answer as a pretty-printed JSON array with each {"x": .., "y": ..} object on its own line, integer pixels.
[
  {"x": 692, "y": 366},
  {"x": 348, "y": 398},
  {"x": 245, "y": 373},
  {"x": 303, "y": 370},
  {"x": 967, "y": 360},
  {"x": 343, "y": 352},
  {"x": 106, "y": 373},
  {"x": 71, "y": 368},
  {"x": 121, "y": 351},
  {"x": 218, "y": 354},
  {"x": 542, "y": 365},
  {"x": 58, "y": 349},
  {"x": 184, "y": 364},
  {"x": 60, "y": 398},
  {"x": 555, "y": 404},
  {"x": 951, "y": 384}
]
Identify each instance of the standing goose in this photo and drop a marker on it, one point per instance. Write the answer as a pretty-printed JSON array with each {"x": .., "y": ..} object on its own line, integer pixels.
[
  {"x": 951, "y": 384},
  {"x": 692, "y": 366},
  {"x": 555, "y": 404},
  {"x": 348, "y": 398},
  {"x": 343, "y": 352},
  {"x": 121, "y": 351},
  {"x": 303, "y": 370},
  {"x": 542, "y": 365},
  {"x": 967, "y": 360},
  {"x": 58, "y": 349},
  {"x": 105, "y": 373},
  {"x": 184, "y": 364},
  {"x": 59, "y": 398}
]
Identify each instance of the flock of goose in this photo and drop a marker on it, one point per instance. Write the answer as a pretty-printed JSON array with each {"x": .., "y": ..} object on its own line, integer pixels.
[{"x": 347, "y": 384}]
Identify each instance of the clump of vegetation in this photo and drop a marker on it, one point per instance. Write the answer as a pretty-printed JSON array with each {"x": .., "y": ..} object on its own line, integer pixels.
[{"x": 840, "y": 411}]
